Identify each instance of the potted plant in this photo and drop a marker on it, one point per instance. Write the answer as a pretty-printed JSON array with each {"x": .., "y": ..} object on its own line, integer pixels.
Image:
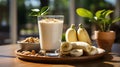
[{"x": 104, "y": 36}]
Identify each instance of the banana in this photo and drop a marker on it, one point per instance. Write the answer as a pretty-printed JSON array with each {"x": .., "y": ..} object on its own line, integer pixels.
[
  {"x": 71, "y": 34},
  {"x": 82, "y": 35},
  {"x": 81, "y": 45},
  {"x": 100, "y": 50},
  {"x": 65, "y": 46},
  {"x": 76, "y": 52},
  {"x": 93, "y": 51},
  {"x": 78, "y": 49}
]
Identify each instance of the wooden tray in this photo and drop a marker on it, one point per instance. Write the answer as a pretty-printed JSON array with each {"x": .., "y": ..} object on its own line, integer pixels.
[{"x": 57, "y": 59}]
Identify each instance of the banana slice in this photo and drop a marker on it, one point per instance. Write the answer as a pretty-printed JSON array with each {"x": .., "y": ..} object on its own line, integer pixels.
[
  {"x": 65, "y": 46},
  {"x": 76, "y": 52}
]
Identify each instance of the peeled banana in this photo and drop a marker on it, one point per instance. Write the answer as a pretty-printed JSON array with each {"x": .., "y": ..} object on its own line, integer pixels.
[
  {"x": 93, "y": 51},
  {"x": 100, "y": 50},
  {"x": 76, "y": 52},
  {"x": 81, "y": 45},
  {"x": 65, "y": 46},
  {"x": 71, "y": 35},
  {"x": 78, "y": 49},
  {"x": 82, "y": 35}
]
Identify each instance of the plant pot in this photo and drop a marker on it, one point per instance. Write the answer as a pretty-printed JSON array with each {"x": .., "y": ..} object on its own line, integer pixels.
[{"x": 105, "y": 40}]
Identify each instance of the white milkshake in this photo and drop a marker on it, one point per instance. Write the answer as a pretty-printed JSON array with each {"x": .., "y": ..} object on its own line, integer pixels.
[{"x": 50, "y": 32}]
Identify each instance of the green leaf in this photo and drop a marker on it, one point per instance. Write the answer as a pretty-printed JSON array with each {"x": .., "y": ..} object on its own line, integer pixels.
[
  {"x": 44, "y": 13},
  {"x": 63, "y": 37},
  {"x": 108, "y": 12},
  {"x": 37, "y": 12},
  {"x": 44, "y": 10},
  {"x": 33, "y": 14},
  {"x": 84, "y": 13},
  {"x": 99, "y": 13},
  {"x": 116, "y": 20},
  {"x": 107, "y": 21}
]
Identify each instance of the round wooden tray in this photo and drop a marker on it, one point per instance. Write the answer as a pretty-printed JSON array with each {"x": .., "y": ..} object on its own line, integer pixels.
[{"x": 57, "y": 59}]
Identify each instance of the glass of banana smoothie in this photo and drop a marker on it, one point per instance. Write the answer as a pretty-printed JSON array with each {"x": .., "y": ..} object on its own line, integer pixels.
[{"x": 50, "y": 31}]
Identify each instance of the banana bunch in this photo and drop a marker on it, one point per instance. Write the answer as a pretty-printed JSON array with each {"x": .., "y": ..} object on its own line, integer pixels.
[
  {"x": 70, "y": 34},
  {"x": 80, "y": 35},
  {"x": 78, "y": 43}
]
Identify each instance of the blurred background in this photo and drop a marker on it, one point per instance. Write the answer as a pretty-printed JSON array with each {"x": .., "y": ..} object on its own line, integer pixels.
[{"x": 16, "y": 24}]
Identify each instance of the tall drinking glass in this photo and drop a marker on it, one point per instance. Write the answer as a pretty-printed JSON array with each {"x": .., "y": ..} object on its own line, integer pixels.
[{"x": 50, "y": 31}]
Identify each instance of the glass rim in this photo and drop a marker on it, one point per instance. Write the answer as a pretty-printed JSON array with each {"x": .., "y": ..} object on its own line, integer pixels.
[{"x": 52, "y": 16}]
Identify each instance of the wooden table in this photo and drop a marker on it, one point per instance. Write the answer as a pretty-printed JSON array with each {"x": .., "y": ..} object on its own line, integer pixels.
[{"x": 8, "y": 59}]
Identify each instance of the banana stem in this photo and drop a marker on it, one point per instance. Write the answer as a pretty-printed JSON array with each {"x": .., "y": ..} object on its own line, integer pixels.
[
  {"x": 73, "y": 26},
  {"x": 81, "y": 26}
]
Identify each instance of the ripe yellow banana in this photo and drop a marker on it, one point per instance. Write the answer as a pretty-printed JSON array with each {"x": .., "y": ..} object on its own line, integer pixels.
[
  {"x": 82, "y": 35},
  {"x": 71, "y": 35}
]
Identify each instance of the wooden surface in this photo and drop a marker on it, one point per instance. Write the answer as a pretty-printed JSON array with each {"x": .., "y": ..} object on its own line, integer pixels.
[{"x": 8, "y": 59}]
